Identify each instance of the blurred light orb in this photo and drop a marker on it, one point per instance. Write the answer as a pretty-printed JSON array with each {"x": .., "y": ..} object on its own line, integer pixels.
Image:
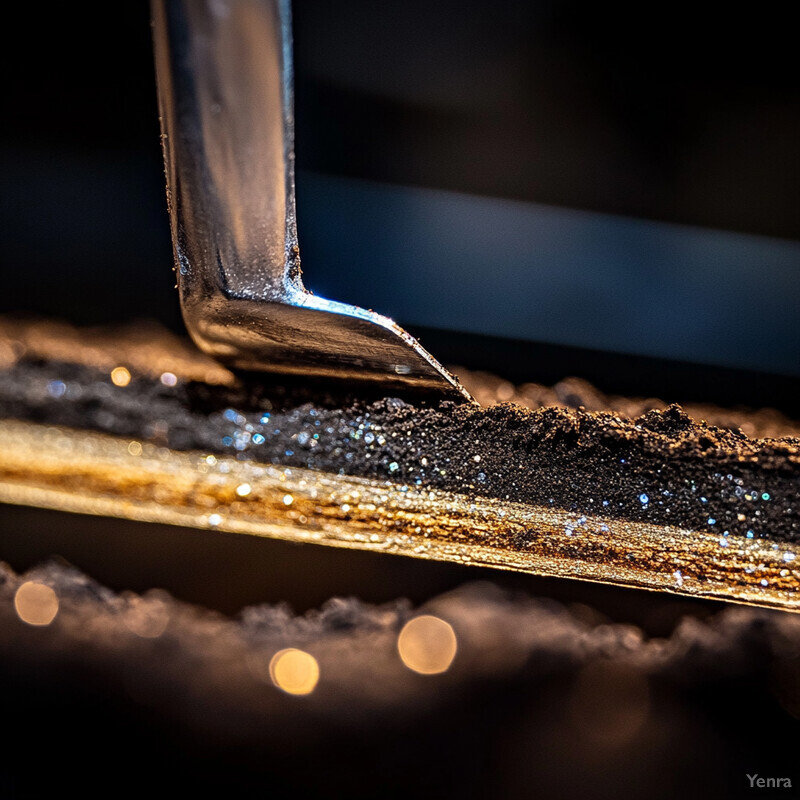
[
  {"x": 427, "y": 645},
  {"x": 147, "y": 617},
  {"x": 294, "y": 671},
  {"x": 120, "y": 376},
  {"x": 36, "y": 603}
]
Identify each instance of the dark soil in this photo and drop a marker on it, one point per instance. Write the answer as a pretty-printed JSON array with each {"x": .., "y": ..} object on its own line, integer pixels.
[{"x": 661, "y": 467}]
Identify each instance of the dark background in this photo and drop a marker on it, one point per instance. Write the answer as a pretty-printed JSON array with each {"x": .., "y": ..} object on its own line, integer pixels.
[
  {"x": 677, "y": 127},
  {"x": 541, "y": 188}
]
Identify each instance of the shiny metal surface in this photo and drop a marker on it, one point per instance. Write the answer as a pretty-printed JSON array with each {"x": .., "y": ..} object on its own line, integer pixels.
[{"x": 224, "y": 74}]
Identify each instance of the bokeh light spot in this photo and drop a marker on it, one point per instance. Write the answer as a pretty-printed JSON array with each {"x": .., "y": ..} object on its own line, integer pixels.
[
  {"x": 294, "y": 671},
  {"x": 36, "y": 603},
  {"x": 427, "y": 645},
  {"x": 147, "y": 617},
  {"x": 120, "y": 376}
]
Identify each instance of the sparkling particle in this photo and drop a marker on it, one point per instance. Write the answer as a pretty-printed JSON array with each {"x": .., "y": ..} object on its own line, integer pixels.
[
  {"x": 169, "y": 378},
  {"x": 288, "y": 499},
  {"x": 120, "y": 376},
  {"x": 258, "y": 438},
  {"x": 394, "y": 466},
  {"x": 764, "y": 582},
  {"x": 56, "y": 388},
  {"x": 765, "y": 496},
  {"x": 750, "y": 534},
  {"x": 214, "y": 520},
  {"x": 135, "y": 448},
  {"x": 712, "y": 521},
  {"x": 788, "y": 557},
  {"x": 211, "y": 460},
  {"x": 723, "y": 542},
  {"x": 678, "y": 577},
  {"x": 241, "y": 439},
  {"x": 476, "y": 459},
  {"x": 243, "y": 489},
  {"x": 644, "y": 499}
]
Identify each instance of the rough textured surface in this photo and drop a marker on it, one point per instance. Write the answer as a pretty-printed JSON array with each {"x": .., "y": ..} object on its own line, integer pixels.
[
  {"x": 134, "y": 695},
  {"x": 661, "y": 467},
  {"x": 489, "y": 389}
]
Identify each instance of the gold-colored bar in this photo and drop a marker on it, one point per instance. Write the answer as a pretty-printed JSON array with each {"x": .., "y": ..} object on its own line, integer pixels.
[{"x": 91, "y": 473}]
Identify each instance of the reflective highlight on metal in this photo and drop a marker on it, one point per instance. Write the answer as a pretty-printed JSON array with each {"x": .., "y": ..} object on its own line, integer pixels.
[
  {"x": 224, "y": 73},
  {"x": 93, "y": 473}
]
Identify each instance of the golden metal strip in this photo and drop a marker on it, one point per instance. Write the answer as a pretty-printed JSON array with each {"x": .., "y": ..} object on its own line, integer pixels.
[{"x": 92, "y": 473}]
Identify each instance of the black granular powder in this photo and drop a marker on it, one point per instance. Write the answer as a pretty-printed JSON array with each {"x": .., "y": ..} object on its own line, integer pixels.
[{"x": 661, "y": 467}]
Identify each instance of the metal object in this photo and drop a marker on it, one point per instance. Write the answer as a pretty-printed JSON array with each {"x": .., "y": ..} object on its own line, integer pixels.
[
  {"x": 137, "y": 475},
  {"x": 91, "y": 473},
  {"x": 224, "y": 72}
]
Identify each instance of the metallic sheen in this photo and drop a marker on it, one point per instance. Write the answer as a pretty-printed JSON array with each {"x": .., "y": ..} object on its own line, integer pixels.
[
  {"x": 224, "y": 74},
  {"x": 91, "y": 473}
]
